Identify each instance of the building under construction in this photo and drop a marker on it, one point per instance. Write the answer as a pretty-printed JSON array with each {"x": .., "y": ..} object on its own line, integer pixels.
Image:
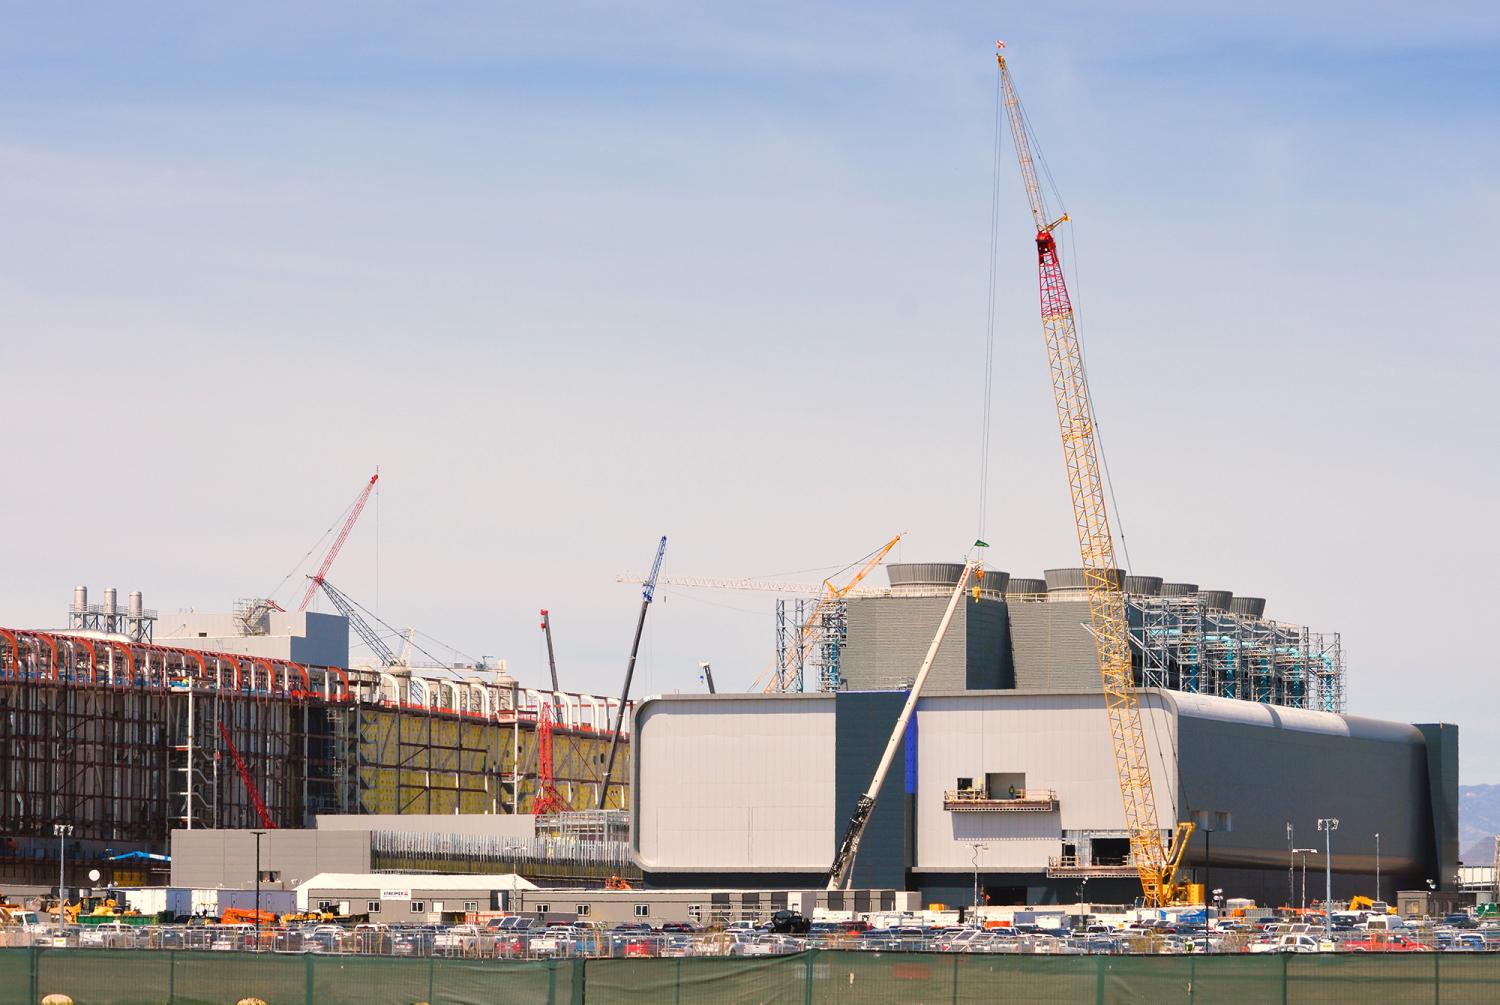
[{"x": 121, "y": 731}]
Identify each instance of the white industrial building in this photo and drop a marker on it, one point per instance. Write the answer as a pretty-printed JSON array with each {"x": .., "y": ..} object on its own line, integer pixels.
[{"x": 1021, "y": 787}]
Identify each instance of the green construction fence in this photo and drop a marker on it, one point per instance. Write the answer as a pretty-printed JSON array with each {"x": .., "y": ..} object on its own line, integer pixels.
[{"x": 816, "y": 977}]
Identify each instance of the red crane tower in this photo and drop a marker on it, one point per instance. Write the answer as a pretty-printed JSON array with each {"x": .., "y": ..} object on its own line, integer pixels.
[{"x": 546, "y": 799}]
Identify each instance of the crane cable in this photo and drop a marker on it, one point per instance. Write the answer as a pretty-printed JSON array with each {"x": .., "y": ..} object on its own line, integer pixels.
[
  {"x": 1117, "y": 516},
  {"x": 1118, "y": 519},
  {"x": 989, "y": 332}
]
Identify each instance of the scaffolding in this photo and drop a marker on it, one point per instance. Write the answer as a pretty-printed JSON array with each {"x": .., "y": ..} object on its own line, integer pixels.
[
  {"x": 126, "y": 741},
  {"x": 1184, "y": 644}
]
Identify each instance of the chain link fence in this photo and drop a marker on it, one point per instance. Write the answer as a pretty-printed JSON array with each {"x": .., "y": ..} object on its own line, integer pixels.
[{"x": 812, "y": 977}]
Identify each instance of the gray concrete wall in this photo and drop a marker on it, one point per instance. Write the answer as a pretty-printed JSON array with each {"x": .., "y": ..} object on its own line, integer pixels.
[
  {"x": 308, "y": 637},
  {"x": 226, "y": 858}
]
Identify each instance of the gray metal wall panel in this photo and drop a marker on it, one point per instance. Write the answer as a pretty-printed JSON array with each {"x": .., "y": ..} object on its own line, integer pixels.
[
  {"x": 204, "y": 859},
  {"x": 889, "y": 637},
  {"x": 863, "y": 728},
  {"x": 1053, "y": 651},
  {"x": 1059, "y": 741},
  {"x": 734, "y": 782},
  {"x": 1442, "y": 789},
  {"x": 1269, "y": 775}
]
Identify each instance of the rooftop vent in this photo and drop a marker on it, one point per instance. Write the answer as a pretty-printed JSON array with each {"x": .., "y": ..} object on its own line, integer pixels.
[
  {"x": 1216, "y": 600},
  {"x": 1071, "y": 584},
  {"x": 1248, "y": 607},
  {"x": 921, "y": 579}
]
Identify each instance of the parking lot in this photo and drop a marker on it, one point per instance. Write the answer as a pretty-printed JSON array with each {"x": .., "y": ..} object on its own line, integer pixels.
[{"x": 523, "y": 938}]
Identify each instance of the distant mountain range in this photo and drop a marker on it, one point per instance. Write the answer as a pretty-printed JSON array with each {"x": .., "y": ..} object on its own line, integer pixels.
[{"x": 1478, "y": 823}]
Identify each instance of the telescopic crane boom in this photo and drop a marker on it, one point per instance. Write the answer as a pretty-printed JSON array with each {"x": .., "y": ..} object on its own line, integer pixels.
[
  {"x": 1155, "y": 862},
  {"x": 648, "y": 593}
]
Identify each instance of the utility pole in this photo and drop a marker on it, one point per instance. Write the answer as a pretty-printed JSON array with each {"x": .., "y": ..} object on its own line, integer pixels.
[
  {"x": 1328, "y": 825},
  {"x": 1377, "y": 865}
]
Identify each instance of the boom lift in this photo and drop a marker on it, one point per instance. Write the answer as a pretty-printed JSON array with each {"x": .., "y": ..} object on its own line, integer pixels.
[
  {"x": 842, "y": 869},
  {"x": 1155, "y": 861}
]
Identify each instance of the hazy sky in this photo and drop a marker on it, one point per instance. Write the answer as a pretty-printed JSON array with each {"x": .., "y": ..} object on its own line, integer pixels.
[{"x": 576, "y": 280}]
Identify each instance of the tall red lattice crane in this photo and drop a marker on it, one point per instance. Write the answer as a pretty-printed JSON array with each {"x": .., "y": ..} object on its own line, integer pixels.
[
  {"x": 1156, "y": 862},
  {"x": 338, "y": 542}
]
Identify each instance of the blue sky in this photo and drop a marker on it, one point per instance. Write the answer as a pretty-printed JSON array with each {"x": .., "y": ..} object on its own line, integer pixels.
[{"x": 575, "y": 279}]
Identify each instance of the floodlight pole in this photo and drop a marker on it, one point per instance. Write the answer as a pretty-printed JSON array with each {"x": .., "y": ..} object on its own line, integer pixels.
[{"x": 1328, "y": 825}]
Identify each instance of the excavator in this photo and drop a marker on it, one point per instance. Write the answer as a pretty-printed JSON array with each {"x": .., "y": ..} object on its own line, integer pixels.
[{"x": 247, "y": 916}]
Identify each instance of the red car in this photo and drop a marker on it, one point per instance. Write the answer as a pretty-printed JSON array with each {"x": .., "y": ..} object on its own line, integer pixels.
[{"x": 1384, "y": 942}]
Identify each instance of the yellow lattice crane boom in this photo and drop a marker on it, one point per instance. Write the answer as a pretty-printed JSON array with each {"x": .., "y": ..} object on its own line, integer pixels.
[
  {"x": 1155, "y": 861},
  {"x": 780, "y": 672}
]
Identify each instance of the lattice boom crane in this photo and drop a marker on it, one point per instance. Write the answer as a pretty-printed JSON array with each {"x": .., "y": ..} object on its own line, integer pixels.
[
  {"x": 1156, "y": 863},
  {"x": 338, "y": 542}
]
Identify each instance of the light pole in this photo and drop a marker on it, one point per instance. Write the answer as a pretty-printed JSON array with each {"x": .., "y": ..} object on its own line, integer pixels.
[
  {"x": 1304, "y": 852},
  {"x": 977, "y": 849},
  {"x": 258, "y": 836},
  {"x": 63, "y": 832},
  {"x": 1328, "y": 825},
  {"x": 1377, "y": 865},
  {"x": 1291, "y": 868},
  {"x": 1208, "y": 822}
]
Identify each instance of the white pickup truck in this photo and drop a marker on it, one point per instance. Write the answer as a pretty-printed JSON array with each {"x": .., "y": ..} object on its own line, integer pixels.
[
  {"x": 559, "y": 940},
  {"x": 1293, "y": 942}
]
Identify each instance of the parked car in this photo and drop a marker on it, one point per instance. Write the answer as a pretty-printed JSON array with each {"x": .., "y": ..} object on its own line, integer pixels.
[{"x": 1384, "y": 942}]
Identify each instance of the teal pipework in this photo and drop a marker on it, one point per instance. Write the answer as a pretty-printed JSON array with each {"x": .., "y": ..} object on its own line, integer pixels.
[{"x": 1230, "y": 665}]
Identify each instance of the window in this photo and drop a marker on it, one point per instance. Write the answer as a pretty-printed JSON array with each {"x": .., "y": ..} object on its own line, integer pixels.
[
  {"x": 471, "y": 906},
  {"x": 203, "y": 635},
  {"x": 582, "y": 910},
  {"x": 372, "y": 907},
  {"x": 695, "y": 913},
  {"x": 643, "y": 910},
  {"x": 325, "y": 905},
  {"x": 544, "y": 909},
  {"x": 419, "y": 907}
]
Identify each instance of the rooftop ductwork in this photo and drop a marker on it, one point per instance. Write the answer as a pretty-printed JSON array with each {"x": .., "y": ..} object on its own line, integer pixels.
[
  {"x": 1143, "y": 586},
  {"x": 1216, "y": 600},
  {"x": 1178, "y": 589},
  {"x": 1248, "y": 607}
]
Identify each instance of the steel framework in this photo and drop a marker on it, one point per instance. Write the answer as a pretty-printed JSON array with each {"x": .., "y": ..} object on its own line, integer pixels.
[{"x": 128, "y": 741}]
